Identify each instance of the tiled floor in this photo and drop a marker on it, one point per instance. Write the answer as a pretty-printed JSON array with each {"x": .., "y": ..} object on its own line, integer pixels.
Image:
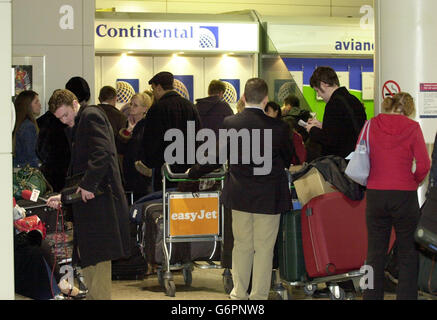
[{"x": 206, "y": 285}]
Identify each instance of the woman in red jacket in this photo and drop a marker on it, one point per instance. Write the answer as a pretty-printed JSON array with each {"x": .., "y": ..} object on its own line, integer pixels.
[{"x": 395, "y": 143}]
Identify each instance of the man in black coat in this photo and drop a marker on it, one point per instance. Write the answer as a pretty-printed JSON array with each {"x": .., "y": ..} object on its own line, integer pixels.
[
  {"x": 108, "y": 99},
  {"x": 170, "y": 111},
  {"x": 343, "y": 118},
  {"x": 101, "y": 222},
  {"x": 257, "y": 192},
  {"x": 213, "y": 109},
  {"x": 53, "y": 149}
]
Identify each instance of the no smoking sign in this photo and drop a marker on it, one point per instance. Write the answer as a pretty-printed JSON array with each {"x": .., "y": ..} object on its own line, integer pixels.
[{"x": 390, "y": 88}]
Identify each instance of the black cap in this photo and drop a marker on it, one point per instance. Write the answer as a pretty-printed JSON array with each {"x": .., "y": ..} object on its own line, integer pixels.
[
  {"x": 79, "y": 87},
  {"x": 164, "y": 78}
]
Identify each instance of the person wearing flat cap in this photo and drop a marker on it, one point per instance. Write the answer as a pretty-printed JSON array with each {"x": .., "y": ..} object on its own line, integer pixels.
[{"x": 170, "y": 111}]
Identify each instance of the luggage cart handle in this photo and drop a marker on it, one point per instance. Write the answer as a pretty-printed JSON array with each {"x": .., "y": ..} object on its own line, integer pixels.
[{"x": 172, "y": 176}]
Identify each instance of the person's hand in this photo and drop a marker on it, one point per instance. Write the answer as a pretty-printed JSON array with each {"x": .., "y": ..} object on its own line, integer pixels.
[
  {"x": 131, "y": 125},
  {"x": 86, "y": 195},
  {"x": 54, "y": 201},
  {"x": 313, "y": 123}
]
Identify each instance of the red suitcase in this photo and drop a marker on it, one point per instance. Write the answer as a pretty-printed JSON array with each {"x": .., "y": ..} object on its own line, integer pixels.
[{"x": 334, "y": 234}]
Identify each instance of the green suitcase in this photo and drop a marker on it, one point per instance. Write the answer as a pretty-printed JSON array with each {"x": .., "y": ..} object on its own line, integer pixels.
[{"x": 291, "y": 258}]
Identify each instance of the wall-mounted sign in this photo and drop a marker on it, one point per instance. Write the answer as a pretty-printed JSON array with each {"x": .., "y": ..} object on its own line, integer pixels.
[
  {"x": 390, "y": 88},
  {"x": 368, "y": 82},
  {"x": 175, "y": 36},
  {"x": 428, "y": 100},
  {"x": 323, "y": 39}
]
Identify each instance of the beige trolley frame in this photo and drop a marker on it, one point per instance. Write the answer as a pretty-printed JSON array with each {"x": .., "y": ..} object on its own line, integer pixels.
[{"x": 183, "y": 226}]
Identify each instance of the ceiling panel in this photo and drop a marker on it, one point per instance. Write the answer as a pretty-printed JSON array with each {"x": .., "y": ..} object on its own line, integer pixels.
[{"x": 336, "y": 8}]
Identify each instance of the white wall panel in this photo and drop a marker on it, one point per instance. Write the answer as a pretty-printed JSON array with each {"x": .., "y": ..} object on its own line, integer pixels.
[
  {"x": 126, "y": 67},
  {"x": 181, "y": 65},
  {"x": 6, "y": 226},
  {"x": 97, "y": 76},
  {"x": 229, "y": 67},
  {"x": 203, "y": 69}
]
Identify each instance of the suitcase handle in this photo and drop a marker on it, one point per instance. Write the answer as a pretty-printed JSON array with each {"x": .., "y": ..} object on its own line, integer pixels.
[{"x": 172, "y": 176}]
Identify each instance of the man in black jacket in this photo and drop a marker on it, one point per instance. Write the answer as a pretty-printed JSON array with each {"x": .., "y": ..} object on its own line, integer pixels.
[
  {"x": 256, "y": 197},
  {"x": 108, "y": 99},
  {"x": 343, "y": 118},
  {"x": 53, "y": 149},
  {"x": 170, "y": 111},
  {"x": 101, "y": 222},
  {"x": 213, "y": 109}
]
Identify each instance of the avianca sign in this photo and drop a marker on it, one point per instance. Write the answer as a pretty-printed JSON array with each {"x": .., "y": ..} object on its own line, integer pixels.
[{"x": 323, "y": 39}]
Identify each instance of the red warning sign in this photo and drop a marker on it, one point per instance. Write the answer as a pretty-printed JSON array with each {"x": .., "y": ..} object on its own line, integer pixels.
[{"x": 390, "y": 88}]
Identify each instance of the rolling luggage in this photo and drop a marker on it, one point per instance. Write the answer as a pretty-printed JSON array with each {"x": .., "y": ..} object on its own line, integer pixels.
[
  {"x": 47, "y": 215},
  {"x": 426, "y": 232},
  {"x": 182, "y": 252},
  {"x": 334, "y": 234},
  {"x": 59, "y": 233},
  {"x": 133, "y": 267},
  {"x": 290, "y": 251},
  {"x": 427, "y": 278}
]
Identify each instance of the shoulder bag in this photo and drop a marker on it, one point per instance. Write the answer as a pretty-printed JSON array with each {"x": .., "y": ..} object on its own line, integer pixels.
[{"x": 358, "y": 168}]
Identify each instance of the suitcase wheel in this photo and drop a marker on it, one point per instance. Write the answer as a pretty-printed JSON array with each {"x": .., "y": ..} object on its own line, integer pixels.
[
  {"x": 309, "y": 289},
  {"x": 337, "y": 293},
  {"x": 170, "y": 287}
]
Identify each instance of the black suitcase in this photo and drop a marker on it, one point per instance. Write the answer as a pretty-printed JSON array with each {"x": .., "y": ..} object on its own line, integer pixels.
[
  {"x": 426, "y": 231},
  {"x": 427, "y": 279},
  {"x": 134, "y": 267},
  {"x": 153, "y": 237},
  {"x": 180, "y": 252}
]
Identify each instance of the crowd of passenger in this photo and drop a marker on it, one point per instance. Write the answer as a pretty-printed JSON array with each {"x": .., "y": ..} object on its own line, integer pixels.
[{"x": 125, "y": 147}]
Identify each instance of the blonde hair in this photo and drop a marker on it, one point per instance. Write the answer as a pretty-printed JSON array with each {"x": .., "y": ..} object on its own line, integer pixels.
[
  {"x": 144, "y": 99},
  {"x": 401, "y": 102},
  {"x": 240, "y": 105}
]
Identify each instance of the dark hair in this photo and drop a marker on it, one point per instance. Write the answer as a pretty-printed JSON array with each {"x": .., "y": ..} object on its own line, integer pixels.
[
  {"x": 165, "y": 79},
  {"x": 80, "y": 88},
  {"x": 107, "y": 93},
  {"x": 325, "y": 74},
  {"x": 23, "y": 111},
  {"x": 292, "y": 101},
  {"x": 275, "y": 107},
  {"x": 255, "y": 90},
  {"x": 216, "y": 87}
]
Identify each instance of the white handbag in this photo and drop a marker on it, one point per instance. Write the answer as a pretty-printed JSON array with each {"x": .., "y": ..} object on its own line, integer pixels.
[{"x": 358, "y": 168}]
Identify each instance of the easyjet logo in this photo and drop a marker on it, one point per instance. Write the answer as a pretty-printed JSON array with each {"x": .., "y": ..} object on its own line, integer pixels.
[{"x": 193, "y": 216}]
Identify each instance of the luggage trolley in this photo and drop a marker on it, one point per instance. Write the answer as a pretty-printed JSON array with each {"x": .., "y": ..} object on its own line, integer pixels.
[
  {"x": 189, "y": 217},
  {"x": 297, "y": 275},
  {"x": 336, "y": 292}
]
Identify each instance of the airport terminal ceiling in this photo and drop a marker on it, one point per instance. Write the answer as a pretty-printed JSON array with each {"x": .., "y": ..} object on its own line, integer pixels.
[{"x": 274, "y": 8}]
